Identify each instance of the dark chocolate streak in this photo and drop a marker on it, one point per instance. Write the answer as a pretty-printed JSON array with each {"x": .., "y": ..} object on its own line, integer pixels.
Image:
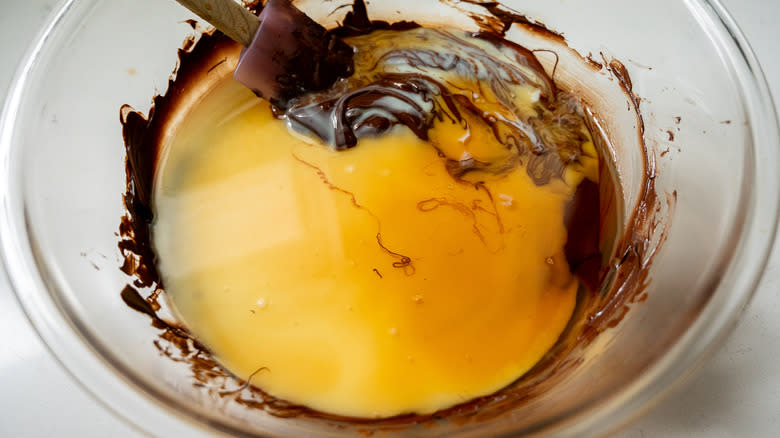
[
  {"x": 601, "y": 307},
  {"x": 500, "y": 19}
]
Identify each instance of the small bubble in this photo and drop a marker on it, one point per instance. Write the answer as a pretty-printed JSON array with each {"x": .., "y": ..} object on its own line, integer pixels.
[
  {"x": 350, "y": 169},
  {"x": 549, "y": 261},
  {"x": 417, "y": 298},
  {"x": 262, "y": 303},
  {"x": 385, "y": 172},
  {"x": 410, "y": 359},
  {"x": 393, "y": 331},
  {"x": 349, "y": 308},
  {"x": 506, "y": 200}
]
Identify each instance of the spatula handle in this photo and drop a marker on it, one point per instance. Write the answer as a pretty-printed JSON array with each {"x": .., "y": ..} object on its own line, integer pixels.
[{"x": 231, "y": 18}]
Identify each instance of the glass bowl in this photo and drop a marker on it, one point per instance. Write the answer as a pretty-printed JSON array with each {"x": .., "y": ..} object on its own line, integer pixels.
[{"x": 712, "y": 139}]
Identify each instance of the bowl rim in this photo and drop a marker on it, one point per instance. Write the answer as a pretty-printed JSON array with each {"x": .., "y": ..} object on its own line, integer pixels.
[{"x": 130, "y": 400}]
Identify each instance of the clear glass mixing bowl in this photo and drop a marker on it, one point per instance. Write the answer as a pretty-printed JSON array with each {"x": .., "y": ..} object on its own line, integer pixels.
[{"x": 63, "y": 175}]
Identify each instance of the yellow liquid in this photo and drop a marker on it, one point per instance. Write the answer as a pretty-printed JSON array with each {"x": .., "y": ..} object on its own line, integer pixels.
[{"x": 284, "y": 256}]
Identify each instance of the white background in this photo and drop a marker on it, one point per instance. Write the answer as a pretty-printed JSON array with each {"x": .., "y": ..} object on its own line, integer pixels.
[{"x": 736, "y": 394}]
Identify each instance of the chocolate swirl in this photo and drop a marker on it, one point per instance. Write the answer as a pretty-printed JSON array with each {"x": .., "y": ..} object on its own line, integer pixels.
[{"x": 440, "y": 76}]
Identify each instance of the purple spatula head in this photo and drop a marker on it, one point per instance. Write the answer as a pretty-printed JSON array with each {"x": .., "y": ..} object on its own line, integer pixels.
[{"x": 291, "y": 54}]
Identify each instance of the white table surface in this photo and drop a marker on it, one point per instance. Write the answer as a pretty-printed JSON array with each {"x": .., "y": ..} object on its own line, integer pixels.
[{"x": 737, "y": 394}]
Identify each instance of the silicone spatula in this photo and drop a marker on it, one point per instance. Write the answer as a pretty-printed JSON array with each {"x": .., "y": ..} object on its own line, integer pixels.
[{"x": 286, "y": 53}]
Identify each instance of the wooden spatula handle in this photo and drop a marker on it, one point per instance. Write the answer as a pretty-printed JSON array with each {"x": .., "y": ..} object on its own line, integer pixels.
[{"x": 231, "y": 18}]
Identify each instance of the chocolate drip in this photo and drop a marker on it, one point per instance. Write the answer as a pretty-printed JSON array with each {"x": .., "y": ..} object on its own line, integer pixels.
[
  {"x": 356, "y": 22},
  {"x": 582, "y": 220}
]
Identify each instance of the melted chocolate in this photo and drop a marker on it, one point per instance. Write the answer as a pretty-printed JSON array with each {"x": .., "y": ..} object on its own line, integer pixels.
[
  {"x": 600, "y": 306},
  {"x": 291, "y": 54}
]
